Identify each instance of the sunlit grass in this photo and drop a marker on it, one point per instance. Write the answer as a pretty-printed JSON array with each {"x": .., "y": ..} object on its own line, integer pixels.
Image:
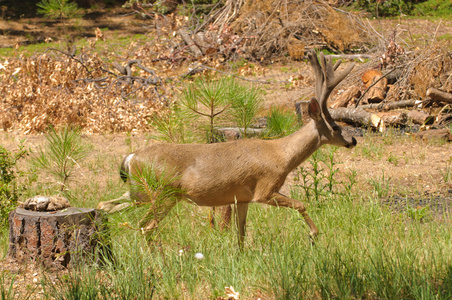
[{"x": 365, "y": 249}]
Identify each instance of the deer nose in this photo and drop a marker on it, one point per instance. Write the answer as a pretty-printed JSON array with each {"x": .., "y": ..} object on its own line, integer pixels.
[{"x": 353, "y": 144}]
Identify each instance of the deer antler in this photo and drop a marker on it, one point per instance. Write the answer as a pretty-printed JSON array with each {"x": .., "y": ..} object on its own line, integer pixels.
[{"x": 325, "y": 77}]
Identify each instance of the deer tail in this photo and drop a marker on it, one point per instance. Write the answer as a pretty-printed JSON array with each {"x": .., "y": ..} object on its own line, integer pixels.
[{"x": 125, "y": 168}]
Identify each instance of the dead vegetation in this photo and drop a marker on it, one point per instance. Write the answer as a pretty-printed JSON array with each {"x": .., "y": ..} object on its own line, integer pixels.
[
  {"x": 401, "y": 88},
  {"x": 117, "y": 91}
]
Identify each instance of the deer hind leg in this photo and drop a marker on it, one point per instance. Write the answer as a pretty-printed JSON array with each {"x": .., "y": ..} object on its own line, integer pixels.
[
  {"x": 224, "y": 213},
  {"x": 278, "y": 199},
  {"x": 241, "y": 210}
]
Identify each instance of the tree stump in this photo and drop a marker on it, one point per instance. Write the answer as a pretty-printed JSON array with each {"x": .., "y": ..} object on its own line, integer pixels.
[{"x": 58, "y": 238}]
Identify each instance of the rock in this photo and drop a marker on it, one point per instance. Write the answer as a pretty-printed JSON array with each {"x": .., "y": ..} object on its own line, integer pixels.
[{"x": 45, "y": 203}]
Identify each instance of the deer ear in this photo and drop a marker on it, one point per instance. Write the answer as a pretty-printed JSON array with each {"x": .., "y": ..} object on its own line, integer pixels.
[{"x": 314, "y": 109}]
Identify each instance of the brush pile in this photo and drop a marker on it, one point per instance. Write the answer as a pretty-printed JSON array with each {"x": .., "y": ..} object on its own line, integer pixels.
[
  {"x": 55, "y": 89},
  {"x": 400, "y": 88}
]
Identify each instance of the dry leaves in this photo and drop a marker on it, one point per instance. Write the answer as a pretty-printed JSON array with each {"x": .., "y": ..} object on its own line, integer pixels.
[{"x": 57, "y": 89}]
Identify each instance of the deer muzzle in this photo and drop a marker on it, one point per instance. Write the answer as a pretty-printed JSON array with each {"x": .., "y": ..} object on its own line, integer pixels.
[{"x": 352, "y": 144}]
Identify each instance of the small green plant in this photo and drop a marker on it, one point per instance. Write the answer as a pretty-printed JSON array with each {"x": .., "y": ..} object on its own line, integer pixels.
[
  {"x": 381, "y": 185},
  {"x": 63, "y": 152},
  {"x": 9, "y": 188},
  {"x": 155, "y": 185},
  {"x": 7, "y": 290},
  {"x": 208, "y": 99},
  {"x": 447, "y": 172},
  {"x": 171, "y": 126},
  {"x": 370, "y": 149},
  {"x": 417, "y": 213},
  {"x": 393, "y": 159},
  {"x": 280, "y": 123},
  {"x": 58, "y": 9},
  {"x": 319, "y": 180},
  {"x": 246, "y": 103}
]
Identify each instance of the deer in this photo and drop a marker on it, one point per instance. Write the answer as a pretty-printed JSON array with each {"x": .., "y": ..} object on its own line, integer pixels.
[{"x": 243, "y": 171}]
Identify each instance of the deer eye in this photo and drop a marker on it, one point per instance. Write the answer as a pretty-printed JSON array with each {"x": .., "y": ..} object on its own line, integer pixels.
[{"x": 336, "y": 127}]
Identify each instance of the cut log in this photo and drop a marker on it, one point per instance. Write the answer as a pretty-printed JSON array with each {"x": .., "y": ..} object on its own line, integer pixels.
[
  {"x": 438, "y": 95},
  {"x": 369, "y": 75},
  {"x": 394, "y": 118},
  {"x": 357, "y": 116},
  {"x": 347, "y": 97},
  {"x": 59, "y": 238},
  {"x": 377, "y": 90},
  {"x": 189, "y": 41},
  {"x": 420, "y": 117},
  {"x": 391, "y": 105}
]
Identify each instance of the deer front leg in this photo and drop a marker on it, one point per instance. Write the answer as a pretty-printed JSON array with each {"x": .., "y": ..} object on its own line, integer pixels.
[
  {"x": 241, "y": 210},
  {"x": 115, "y": 205},
  {"x": 156, "y": 212},
  {"x": 278, "y": 199}
]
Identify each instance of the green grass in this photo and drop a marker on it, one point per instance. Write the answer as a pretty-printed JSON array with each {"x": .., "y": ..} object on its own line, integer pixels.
[
  {"x": 365, "y": 250},
  {"x": 119, "y": 46},
  {"x": 433, "y": 9}
]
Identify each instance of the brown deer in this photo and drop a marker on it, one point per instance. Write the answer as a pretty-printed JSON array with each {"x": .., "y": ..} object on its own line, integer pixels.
[{"x": 243, "y": 171}]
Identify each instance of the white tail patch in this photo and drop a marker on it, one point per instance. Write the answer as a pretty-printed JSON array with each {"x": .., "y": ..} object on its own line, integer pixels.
[{"x": 127, "y": 163}]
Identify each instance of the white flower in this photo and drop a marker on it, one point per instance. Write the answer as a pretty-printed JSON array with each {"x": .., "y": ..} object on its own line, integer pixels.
[{"x": 199, "y": 255}]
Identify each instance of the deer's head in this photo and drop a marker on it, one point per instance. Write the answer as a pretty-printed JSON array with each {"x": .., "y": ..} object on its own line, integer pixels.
[{"x": 325, "y": 81}]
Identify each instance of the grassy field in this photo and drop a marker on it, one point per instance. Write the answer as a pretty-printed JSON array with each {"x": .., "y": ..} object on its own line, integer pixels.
[{"x": 368, "y": 248}]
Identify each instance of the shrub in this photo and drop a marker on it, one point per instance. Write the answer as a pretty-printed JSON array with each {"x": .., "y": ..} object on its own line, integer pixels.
[
  {"x": 382, "y": 8},
  {"x": 9, "y": 189}
]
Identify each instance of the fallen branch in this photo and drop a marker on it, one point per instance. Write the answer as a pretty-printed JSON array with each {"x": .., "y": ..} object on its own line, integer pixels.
[
  {"x": 391, "y": 105},
  {"x": 189, "y": 41}
]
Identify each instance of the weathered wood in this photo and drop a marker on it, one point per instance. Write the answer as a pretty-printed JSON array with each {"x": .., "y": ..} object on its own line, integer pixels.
[
  {"x": 58, "y": 238},
  {"x": 369, "y": 75},
  {"x": 391, "y": 105},
  {"x": 438, "y": 95},
  {"x": 420, "y": 117},
  {"x": 394, "y": 118},
  {"x": 357, "y": 116},
  {"x": 343, "y": 100},
  {"x": 377, "y": 90},
  {"x": 189, "y": 41}
]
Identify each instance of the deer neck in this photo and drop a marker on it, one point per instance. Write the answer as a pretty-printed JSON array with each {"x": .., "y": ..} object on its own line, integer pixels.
[{"x": 300, "y": 145}]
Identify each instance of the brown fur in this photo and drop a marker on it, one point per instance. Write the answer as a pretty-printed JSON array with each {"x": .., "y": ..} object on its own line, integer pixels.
[{"x": 243, "y": 171}]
